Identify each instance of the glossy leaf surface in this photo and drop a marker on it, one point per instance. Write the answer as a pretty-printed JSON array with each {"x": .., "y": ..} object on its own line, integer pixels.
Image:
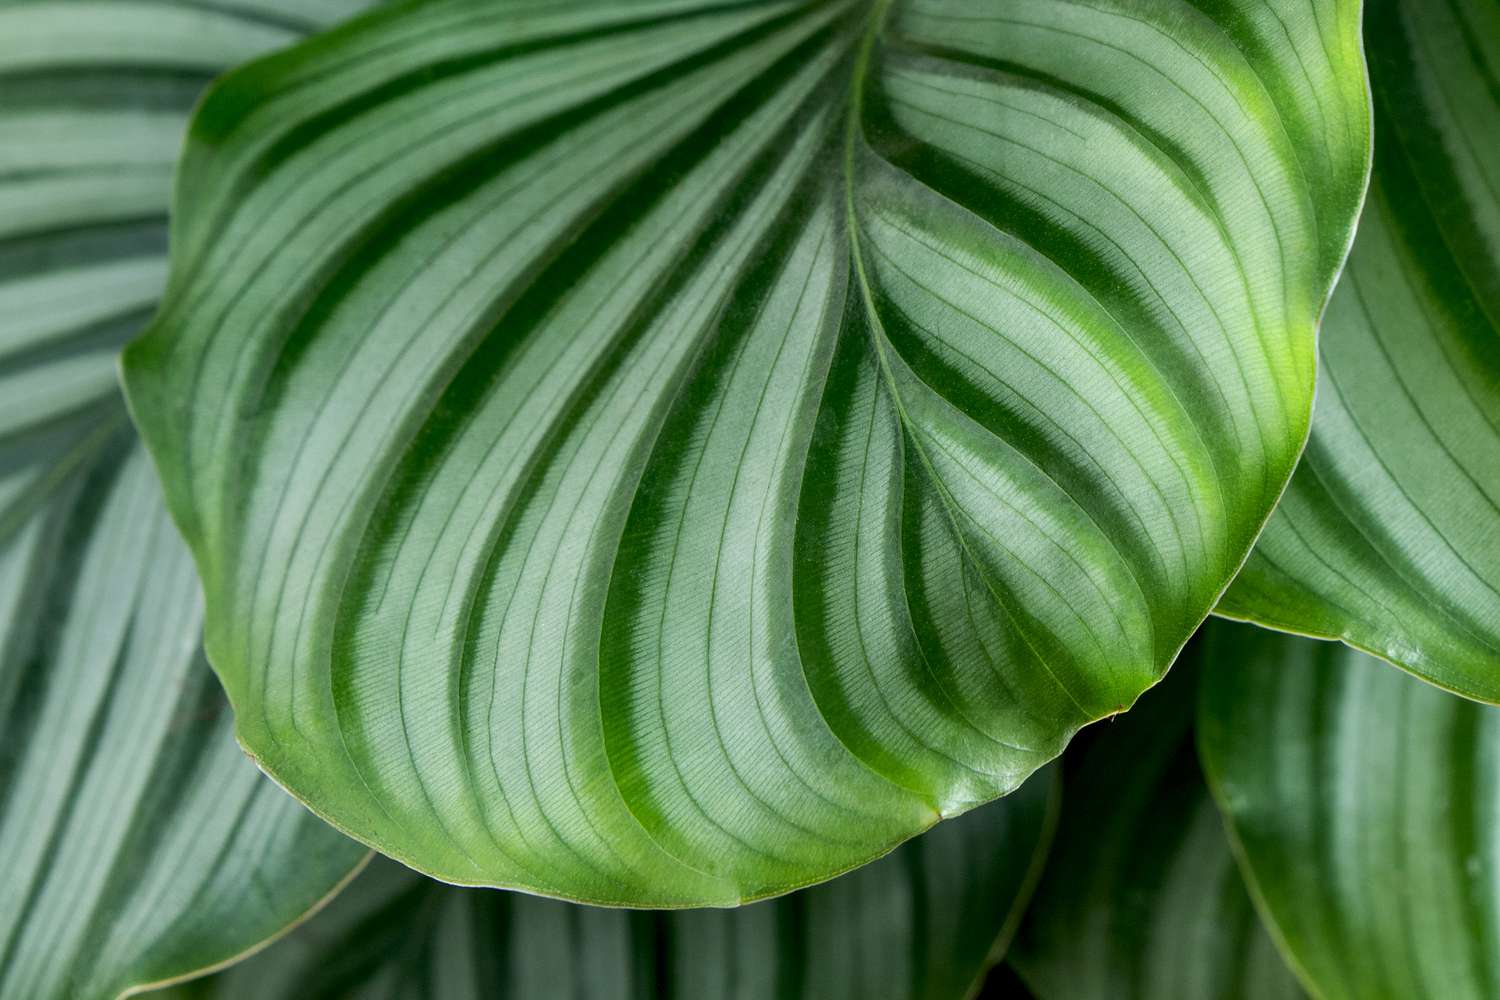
[
  {"x": 672, "y": 452},
  {"x": 138, "y": 844},
  {"x": 920, "y": 924},
  {"x": 1141, "y": 896},
  {"x": 1366, "y": 806},
  {"x": 1389, "y": 536}
]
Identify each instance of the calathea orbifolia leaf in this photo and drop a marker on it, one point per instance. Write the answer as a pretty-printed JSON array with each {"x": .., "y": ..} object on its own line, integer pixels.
[
  {"x": 1141, "y": 896},
  {"x": 671, "y": 452},
  {"x": 94, "y": 101},
  {"x": 1366, "y": 806},
  {"x": 138, "y": 843},
  {"x": 922, "y": 923},
  {"x": 1389, "y": 535}
]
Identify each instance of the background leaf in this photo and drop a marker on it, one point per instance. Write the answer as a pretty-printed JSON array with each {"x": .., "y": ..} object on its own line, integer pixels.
[
  {"x": 139, "y": 844},
  {"x": 94, "y": 101},
  {"x": 1364, "y": 805},
  {"x": 1389, "y": 536},
  {"x": 1141, "y": 896},
  {"x": 923, "y": 922},
  {"x": 669, "y": 453}
]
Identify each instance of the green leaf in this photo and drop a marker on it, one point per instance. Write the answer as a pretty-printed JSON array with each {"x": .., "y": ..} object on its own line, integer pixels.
[
  {"x": 1389, "y": 536},
  {"x": 924, "y": 922},
  {"x": 94, "y": 100},
  {"x": 1366, "y": 810},
  {"x": 139, "y": 844},
  {"x": 1140, "y": 896},
  {"x": 669, "y": 453}
]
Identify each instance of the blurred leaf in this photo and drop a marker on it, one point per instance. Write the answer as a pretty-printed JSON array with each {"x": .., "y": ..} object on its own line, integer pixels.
[
  {"x": 1140, "y": 896},
  {"x": 921, "y": 923},
  {"x": 138, "y": 843},
  {"x": 1366, "y": 807},
  {"x": 1389, "y": 536}
]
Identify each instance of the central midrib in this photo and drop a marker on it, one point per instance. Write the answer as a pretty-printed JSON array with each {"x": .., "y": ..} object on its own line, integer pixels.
[{"x": 853, "y": 127}]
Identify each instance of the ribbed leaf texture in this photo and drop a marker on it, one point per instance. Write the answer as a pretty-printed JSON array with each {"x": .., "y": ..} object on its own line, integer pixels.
[
  {"x": 1389, "y": 536},
  {"x": 921, "y": 924},
  {"x": 1141, "y": 896},
  {"x": 138, "y": 843},
  {"x": 669, "y": 453},
  {"x": 1366, "y": 807}
]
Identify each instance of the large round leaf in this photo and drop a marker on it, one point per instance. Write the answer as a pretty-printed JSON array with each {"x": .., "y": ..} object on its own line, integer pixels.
[
  {"x": 920, "y": 924},
  {"x": 1141, "y": 896},
  {"x": 1366, "y": 807},
  {"x": 138, "y": 843},
  {"x": 1389, "y": 535},
  {"x": 671, "y": 452}
]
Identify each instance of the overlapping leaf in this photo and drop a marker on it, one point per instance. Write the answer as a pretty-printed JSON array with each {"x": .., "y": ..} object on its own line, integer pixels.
[
  {"x": 920, "y": 924},
  {"x": 1366, "y": 806},
  {"x": 1389, "y": 535},
  {"x": 138, "y": 843},
  {"x": 1141, "y": 896},
  {"x": 94, "y": 101},
  {"x": 671, "y": 452}
]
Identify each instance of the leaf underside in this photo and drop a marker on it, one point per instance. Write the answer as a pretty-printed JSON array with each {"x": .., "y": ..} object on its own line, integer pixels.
[
  {"x": 1366, "y": 809},
  {"x": 138, "y": 843},
  {"x": 670, "y": 453},
  {"x": 1389, "y": 535}
]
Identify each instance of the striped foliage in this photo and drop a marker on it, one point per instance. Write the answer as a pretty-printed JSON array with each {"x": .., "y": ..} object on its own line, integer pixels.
[
  {"x": 137, "y": 842},
  {"x": 1366, "y": 810},
  {"x": 920, "y": 924},
  {"x": 1389, "y": 535},
  {"x": 1141, "y": 896},
  {"x": 671, "y": 452},
  {"x": 94, "y": 101}
]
